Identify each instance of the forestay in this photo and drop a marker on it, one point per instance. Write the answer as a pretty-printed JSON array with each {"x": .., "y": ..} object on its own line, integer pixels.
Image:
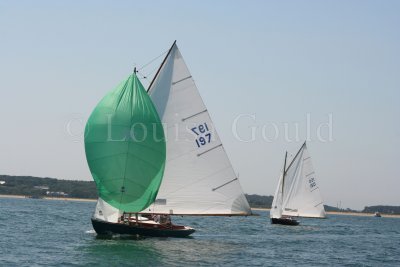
[{"x": 198, "y": 177}]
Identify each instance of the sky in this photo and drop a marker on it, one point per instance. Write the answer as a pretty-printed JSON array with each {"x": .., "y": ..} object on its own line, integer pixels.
[{"x": 263, "y": 68}]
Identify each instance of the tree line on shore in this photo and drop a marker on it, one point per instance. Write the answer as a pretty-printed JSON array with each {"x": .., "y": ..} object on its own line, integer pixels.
[{"x": 41, "y": 187}]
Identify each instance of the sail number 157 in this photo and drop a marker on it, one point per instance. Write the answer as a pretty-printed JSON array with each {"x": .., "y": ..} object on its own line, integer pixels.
[{"x": 203, "y": 134}]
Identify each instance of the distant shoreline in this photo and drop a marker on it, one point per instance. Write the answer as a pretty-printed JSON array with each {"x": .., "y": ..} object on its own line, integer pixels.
[
  {"x": 362, "y": 214},
  {"x": 52, "y": 198},
  {"x": 255, "y": 209},
  {"x": 347, "y": 213}
]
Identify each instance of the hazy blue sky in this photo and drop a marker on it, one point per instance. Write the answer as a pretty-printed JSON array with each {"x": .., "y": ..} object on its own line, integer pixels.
[{"x": 278, "y": 62}]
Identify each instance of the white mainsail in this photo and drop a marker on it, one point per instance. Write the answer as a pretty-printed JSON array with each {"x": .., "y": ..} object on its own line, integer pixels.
[
  {"x": 198, "y": 177},
  {"x": 298, "y": 193}
]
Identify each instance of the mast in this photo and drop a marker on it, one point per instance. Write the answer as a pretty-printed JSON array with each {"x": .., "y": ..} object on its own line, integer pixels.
[
  {"x": 162, "y": 64},
  {"x": 284, "y": 172}
]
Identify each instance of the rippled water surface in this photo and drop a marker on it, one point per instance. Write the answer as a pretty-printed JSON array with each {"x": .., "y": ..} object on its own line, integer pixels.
[{"x": 37, "y": 232}]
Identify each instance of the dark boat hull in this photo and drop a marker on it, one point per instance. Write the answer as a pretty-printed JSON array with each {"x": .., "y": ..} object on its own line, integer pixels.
[
  {"x": 103, "y": 228},
  {"x": 284, "y": 221}
]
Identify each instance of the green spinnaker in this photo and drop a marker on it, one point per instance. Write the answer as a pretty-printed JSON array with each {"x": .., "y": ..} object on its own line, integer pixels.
[{"x": 125, "y": 147}]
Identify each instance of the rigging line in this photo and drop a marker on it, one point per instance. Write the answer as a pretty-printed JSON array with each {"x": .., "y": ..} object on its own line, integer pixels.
[
  {"x": 162, "y": 64},
  {"x": 154, "y": 59},
  {"x": 298, "y": 152},
  {"x": 141, "y": 74},
  {"x": 151, "y": 72},
  {"x": 143, "y": 79}
]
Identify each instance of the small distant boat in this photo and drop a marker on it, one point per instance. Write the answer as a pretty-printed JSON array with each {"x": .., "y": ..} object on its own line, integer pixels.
[
  {"x": 377, "y": 214},
  {"x": 285, "y": 220},
  {"x": 297, "y": 193}
]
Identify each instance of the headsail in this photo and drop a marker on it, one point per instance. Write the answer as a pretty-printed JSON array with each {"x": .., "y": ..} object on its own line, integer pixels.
[
  {"x": 125, "y": 148},
  {"x": 301, "y": 195},
  {"x": 198, "y": 177},
  {"x": 106, "y": 212},
  {"x": 276, "y": 207}
]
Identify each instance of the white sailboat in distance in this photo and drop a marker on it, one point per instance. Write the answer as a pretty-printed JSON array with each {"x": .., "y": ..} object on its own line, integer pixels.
[{"x": 297, "y": 193}]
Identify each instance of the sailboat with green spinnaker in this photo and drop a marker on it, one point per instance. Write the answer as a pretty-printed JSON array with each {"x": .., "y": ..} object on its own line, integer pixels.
[
  {"x": 126, "y": 151},
  {"x": 188, "y": 173}
]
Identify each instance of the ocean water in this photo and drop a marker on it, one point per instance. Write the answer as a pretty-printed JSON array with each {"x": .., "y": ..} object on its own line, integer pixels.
[{"x": 35, "y": 232}]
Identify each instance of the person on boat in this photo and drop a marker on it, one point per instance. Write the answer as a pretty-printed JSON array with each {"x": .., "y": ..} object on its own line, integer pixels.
[
  {"x": 157, "y": 218},
  {"x": 166, "y": 219},
  {"x": 122, "y": 218}
]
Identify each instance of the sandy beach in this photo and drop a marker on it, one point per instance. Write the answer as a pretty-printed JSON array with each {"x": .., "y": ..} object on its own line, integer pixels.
[
  {"x": 52, "y": 198},
  {"x": 12, "y": 196},
  {"x": 71, "y": 199}
]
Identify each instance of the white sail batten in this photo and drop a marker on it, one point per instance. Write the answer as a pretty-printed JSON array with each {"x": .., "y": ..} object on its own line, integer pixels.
[
  {"x": 297, "y": 193},
  {"x": 198, "y": 177},
  {"x": 106, "y": 212}
]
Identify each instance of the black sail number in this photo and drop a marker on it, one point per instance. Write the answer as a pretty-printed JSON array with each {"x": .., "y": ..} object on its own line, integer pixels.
[
  {"x": 203, "y": 134},
  {"x": 312, "y": 182}
]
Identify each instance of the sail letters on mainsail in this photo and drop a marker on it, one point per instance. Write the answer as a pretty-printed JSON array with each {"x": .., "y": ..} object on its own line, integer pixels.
[{"x": 198, "y": 178}]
